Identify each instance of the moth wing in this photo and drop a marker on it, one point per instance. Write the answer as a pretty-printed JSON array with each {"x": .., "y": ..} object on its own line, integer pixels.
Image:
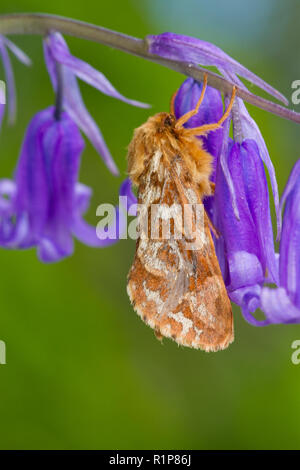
[{"x": 179, "y": 292}]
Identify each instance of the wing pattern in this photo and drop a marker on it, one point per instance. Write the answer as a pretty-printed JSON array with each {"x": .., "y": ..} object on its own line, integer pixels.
[{"x": 177, "y": 291}]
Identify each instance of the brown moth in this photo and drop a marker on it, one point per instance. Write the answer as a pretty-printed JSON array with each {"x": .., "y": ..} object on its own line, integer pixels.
[{"x": 177, "y": 291}]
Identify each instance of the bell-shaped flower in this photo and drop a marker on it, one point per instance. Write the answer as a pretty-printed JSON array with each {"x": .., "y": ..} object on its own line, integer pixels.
[
  {"x": 43, "y": 206},
  {"x": 246, "y": 246},
  {"x": 64, "y": 69},
  {"x": 247, "y": 128}
]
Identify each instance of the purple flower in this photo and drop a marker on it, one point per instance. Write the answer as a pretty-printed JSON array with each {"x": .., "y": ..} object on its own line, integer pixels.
[
  {"x": 58, "y": 55},
  {"x": 44, "y": 205},
  {"x": 246, "y": 246},
  {"x": 131, "y": 200},
  {"x": 195, "y": 51},
  {"x": 248, "y": 129},
  {"x": 211, "y": 110},
  {"x": 6, "y": 44},
  {"x": 282, "y": 304}
]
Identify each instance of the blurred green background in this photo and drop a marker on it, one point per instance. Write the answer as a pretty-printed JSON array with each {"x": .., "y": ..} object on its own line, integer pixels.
[{"x": 82, "y": 370}]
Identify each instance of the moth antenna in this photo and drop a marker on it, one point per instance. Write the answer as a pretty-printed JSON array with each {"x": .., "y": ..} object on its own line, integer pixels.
[
  {"x": 172, "y": 103},
  {"x": 193, "y": 112},
  {"x": 212, "y": 127}
]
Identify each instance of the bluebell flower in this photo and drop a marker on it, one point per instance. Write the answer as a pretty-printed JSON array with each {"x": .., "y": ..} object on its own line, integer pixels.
[
  {"x": 58, "y": 54},
  {"x": 130, "y": 199},
  {"x": 211, "y": 110},
  {"x": 245, "y": 246},
  {"x": 248, "y": 129},
  {"x": 282, "y": 304},
  {"x": 195, "y": 51},
  {"x": 43, "y": 206}
]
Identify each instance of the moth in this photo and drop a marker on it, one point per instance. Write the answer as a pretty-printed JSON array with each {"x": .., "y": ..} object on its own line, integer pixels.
[{"x": 176, "y": 290}]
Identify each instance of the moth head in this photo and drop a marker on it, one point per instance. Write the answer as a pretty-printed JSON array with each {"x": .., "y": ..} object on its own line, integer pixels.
[
  {"x": 163, "y": 122},
  {"x": 169, "y": 121},
  {"x": 147, "y": 139}
]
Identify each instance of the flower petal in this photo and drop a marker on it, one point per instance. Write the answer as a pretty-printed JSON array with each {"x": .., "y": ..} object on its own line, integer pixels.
[
  {"x": 62, "y": 146},
  {"x": 126, "y": 191},
  {"x": 250, "y": 130},
  {"x": 45, "y": 205},
  {"x": 2, "y": 101},
  {"x": 7, "y": 195},
  {"x": 10, "y": 82},
  {"x": 258, "y": 199},
  {"x": 9, "y": 74},
  {"x": 245, "y": 269},
  {"x": 46, "y": 176},
  {"x": 225, "y": 169},
  {"x": 18, "y": 53},
  {"x": 90, "y": 236},
  {"x": 15, "y": 234},
  {"x": 75, "y": 107},
  {"x": 192, "y": 50},
  {"x": 290, "y": 185},
  {"x": 31, "y": 178},
  {"x": 237, "y": 234},
  {"x": 84, "y": 71},
  {"x": 210, "y": 111},
  {"x": 248, "y": 242},
  {"x": 83, "y": 195},
  {"x": 2, "y": 110},
  {"x": 289, "y": 263},
  {"x": 278, "y": 307},
  {"x": 49, "y": 252},
  {"x": 248, "y": 298}
]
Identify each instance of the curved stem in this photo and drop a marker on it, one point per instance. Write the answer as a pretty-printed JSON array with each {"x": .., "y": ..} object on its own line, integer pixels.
[{"x": 37, "y": 23}]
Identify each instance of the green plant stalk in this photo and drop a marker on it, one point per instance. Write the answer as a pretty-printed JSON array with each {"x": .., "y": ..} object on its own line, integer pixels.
[{"x": 42, "y": 24}]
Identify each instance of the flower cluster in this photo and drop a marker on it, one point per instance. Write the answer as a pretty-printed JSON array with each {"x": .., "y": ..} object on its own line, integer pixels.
[
  {"x": 245, "y": 247},
  {"x": 43, "y": 205},
  {"x": 240, "y": 208}
]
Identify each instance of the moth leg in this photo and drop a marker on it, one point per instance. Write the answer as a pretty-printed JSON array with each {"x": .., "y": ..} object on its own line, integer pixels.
[
  {"x": 214, "y": 230},
  {"x": 172, "y": 103},
  {"x": 212, "y": 187},
  {"x": 193, "y": 112},
  {"x": 202, "y": 130}
]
